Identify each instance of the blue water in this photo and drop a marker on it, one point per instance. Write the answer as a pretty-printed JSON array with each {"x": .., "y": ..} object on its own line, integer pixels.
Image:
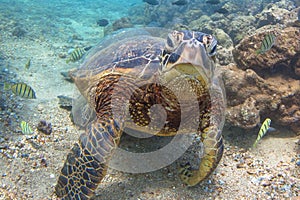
[
  {"x": 51, "y": 16},
  {"x": 46, "y": 31}
]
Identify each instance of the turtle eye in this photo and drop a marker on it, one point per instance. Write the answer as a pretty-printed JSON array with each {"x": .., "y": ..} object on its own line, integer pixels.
[
  {"x": 172, "y": 58},
  {"x": 170, "y": 42}
]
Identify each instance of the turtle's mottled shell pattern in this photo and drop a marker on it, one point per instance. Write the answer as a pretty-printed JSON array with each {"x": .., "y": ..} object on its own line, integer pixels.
[{"x": 134, "y": 71}]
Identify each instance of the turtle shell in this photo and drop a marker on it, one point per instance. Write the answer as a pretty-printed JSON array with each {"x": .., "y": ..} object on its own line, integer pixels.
[
  {"x": 129, "y": 51},
  {"x": 142, "y": 81}
]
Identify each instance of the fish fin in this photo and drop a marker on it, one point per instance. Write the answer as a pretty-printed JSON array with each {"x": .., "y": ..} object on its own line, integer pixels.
[
  {"x": 271, "y": 129},
  {"x": 28, "y": 63}
]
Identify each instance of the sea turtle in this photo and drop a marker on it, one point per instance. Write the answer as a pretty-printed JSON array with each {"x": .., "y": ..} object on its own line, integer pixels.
[{"x": 122, "y": 79}]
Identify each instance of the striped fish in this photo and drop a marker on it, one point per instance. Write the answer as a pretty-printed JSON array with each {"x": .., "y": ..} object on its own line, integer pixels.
[
  {"x": 76, "y": 55},
  {"x": 267, "y": 43},
  {"x": 21, "y": 89},
  {"x": 25, "y": 128},
  {"x": 263, "y": 130}
]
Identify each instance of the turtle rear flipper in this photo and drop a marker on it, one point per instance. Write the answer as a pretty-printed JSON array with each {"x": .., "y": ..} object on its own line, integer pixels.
[{"x": 87, "y": 162}]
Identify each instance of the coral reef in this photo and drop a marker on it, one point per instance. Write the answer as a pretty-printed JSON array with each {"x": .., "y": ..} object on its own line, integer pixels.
[
  {"x": 244, "y": 115},
  {"x": 250, "y": 96},
  {"x": 271, "y": 15},
  {"x": 271, "y": 79},
  {"x": 279, "y": 56},
  {"x": 225, "y": 47}
]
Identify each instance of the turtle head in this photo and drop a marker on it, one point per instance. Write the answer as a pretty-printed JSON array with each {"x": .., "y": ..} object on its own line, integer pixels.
[{"x": 189, "y": 52}]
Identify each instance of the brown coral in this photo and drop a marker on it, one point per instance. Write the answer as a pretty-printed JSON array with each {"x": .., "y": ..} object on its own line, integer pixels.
[
  {"x": 249, "y": 97},
  {"x": 287, "y": 46}
]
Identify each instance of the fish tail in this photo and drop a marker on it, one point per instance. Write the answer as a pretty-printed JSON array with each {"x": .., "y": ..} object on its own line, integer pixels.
[
  {"x": 7, "y": 86},
  {"x": 255, "y": 143}
]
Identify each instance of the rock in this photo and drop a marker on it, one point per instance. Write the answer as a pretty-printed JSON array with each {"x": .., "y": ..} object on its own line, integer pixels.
[
  {"x": 223, "y": 38},
  {"x": 203, "y": 23},
  {"x": 45, "y": 127},
  {"x": 277, "y": 14},
  {"x": 244, "y": 115},
  {"x": 272, "y": 14},
  {"x": 18, "y": 32},
  {"x": 277, "y": 59},
  {"x": 40, "y": 107},
  {"x": 124, "y": 22},
  {"x": 237, "y": 27},
  {"x": 225, "y": 47},
  {"x": 250, "y": 96},
  {"x": 265, "y": 183},
  {"x": 295, "y": 64},
  {"x": 65, "y": 102}
]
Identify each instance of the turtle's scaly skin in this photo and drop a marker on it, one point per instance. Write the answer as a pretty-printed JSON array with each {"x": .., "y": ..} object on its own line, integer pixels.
[{"x": 141, "y": 70}]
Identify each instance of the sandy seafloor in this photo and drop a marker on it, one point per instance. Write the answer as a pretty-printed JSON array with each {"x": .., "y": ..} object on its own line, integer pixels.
[{"x": 30, "y": 165}]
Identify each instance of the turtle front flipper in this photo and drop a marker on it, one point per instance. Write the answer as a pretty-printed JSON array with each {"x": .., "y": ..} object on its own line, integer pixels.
[
  {"x": 213, "y": 146},
  {"x": 87, "y": 162}
]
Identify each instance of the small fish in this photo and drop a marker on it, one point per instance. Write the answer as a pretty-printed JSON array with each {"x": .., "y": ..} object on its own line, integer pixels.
[
  {"x": 25, "y": 128},
  {"x": 102, "y": 22},
  {"x": 267, "y": 43},
  {"x": 263, "y": 130},
  {"x": 222, "y": 11},
  {"x": 180, "y": 2},
  {"x": 28, "y": 63},
  {"x": 21, "y": 89},
  {"x": 151, "y": 2},
  {"x": 76, "y": 55},
  {"x": 213, "y": 1}
]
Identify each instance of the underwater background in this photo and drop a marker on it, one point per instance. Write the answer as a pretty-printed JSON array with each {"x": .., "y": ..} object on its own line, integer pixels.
[{"x": 259, "y": 57}]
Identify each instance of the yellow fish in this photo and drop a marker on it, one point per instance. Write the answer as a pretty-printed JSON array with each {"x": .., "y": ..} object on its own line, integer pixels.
[
  {"x": 26, "y": 129},
  {"x": 76, "y": 55},
  {"x": 263, "y": 130},
  {"x": 21, "y": 89}
]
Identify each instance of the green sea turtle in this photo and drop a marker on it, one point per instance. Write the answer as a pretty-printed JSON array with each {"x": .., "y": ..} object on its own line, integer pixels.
[{"x": 122, "y": 79}]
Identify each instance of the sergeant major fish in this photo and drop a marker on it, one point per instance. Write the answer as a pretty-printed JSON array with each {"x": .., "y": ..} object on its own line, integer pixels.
[
  {"x": 267, "y": 43},
  {"x": 263, "y": 130},
  {"x": 21, "y": 89},
  {"x": 76, "y": 55}
]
